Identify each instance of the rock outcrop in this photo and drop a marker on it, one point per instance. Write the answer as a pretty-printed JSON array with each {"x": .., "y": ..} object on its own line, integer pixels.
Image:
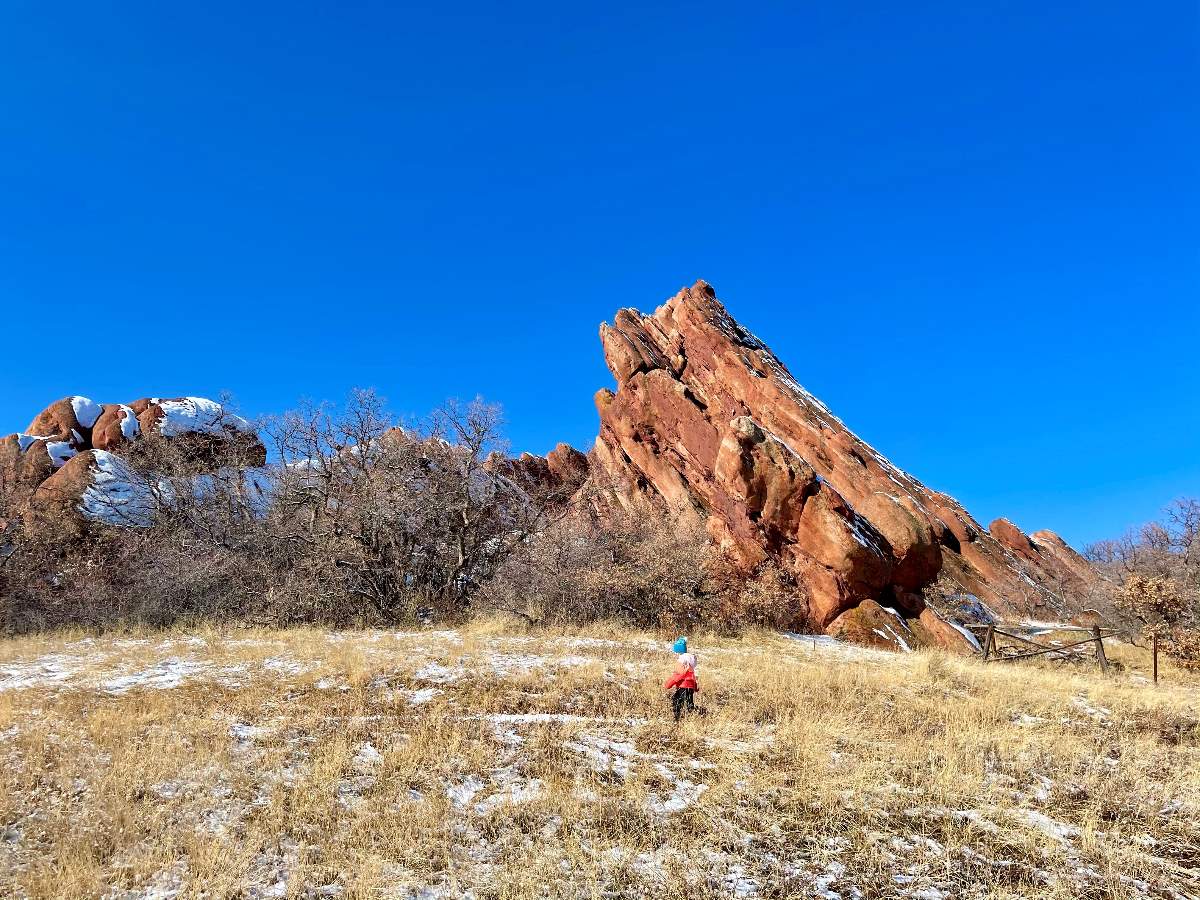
[
  {"x": 708, "y": 422},
  {"x": 70, "y": 472},
  {"x": 65, "y": 469},
  {"x": 705, "y": 422}
]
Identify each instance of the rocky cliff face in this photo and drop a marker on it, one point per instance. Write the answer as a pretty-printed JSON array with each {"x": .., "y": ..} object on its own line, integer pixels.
[{"x": 709, "y": 422}]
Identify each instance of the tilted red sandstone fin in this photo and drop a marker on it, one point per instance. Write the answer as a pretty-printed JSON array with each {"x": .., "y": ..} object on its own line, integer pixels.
[{"x": 706, "y": 418}]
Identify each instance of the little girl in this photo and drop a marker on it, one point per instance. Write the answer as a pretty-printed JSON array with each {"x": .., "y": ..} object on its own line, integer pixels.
[{"x": 683, "y": 680}]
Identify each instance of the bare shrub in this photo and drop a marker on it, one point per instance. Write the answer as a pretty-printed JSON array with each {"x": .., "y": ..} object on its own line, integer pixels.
[
  {"x": 641, "y": 566},
  {"x": 354, "y": 520},
  {"x": 1154, "y": 579}
]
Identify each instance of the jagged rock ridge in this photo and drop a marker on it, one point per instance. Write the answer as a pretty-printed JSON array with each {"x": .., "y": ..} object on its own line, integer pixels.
[{"x": 707, "y": 419}]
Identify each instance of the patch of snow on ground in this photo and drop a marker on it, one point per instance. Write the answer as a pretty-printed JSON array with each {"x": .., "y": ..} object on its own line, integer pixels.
[
  {"x": 439, "y": 674},
  {"x": 243, "y": 733},
  {"x": 45, "y": 671},
  {"x": 1059, "y": 831},
  {"x": 464, "y": 792},
  {"x": 367, "y": 757},
  {"x": 683, "y": 793},
  {"x": 574, "y": 660},
  {"x": 514, "y": 790},
  {"x": 547, "y": 718},
  {"x": 163, "y": 886},
  {"x": 1099, "y": 713},
  {"x": 420, "y": 696},
  {"x": 606, "y": 754},
  {"x": 1026, "y": 720},
  {"x": 823, "y": 643},
  {"x": 170, "y": 673},
  {"x": 283, "y": 665},
  {"x": 514, "y": 664}
]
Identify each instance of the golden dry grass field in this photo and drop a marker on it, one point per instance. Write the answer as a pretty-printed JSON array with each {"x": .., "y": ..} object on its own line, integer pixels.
[{"x": 496, "y": 762}]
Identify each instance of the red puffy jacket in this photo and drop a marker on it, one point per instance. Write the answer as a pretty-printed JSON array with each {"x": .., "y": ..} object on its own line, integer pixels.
[{"x": 683, "y": 678}]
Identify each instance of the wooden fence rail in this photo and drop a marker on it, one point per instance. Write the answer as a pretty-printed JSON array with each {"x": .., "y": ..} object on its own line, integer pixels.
[{"x": 990, "y": 649}]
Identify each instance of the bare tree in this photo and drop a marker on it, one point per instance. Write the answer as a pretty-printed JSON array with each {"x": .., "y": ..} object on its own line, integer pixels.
[{"x": 402, "y": 517}]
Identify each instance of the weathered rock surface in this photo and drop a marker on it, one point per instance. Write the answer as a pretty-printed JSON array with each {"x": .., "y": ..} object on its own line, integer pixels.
[
  {"x": 709, "y": 422},
  {"x": 117, "y": 426},
  {"x": 876, "y": 626}
]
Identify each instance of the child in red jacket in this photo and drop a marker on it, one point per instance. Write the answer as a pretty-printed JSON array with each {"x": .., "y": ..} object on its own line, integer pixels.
[{"x": 683, "y": 681}]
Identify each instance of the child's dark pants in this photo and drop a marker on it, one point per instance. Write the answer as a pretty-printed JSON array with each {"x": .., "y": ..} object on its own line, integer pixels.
[{"x": 683, "y": 696}]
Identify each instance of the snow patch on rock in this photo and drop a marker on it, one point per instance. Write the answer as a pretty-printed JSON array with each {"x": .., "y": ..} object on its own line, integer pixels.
[{"x": 87, "y": 411}]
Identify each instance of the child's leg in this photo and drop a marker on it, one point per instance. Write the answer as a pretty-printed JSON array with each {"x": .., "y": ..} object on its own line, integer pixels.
[
  {"x": 677, "y": 702},
  {"x": 691, "y": 700}
]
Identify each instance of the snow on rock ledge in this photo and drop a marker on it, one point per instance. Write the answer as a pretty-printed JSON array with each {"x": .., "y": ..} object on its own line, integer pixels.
[{"x": 193, "y": 415}]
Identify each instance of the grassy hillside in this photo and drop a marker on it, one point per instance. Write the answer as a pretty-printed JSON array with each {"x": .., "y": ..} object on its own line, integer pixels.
[{"x": 492, "y": 762}]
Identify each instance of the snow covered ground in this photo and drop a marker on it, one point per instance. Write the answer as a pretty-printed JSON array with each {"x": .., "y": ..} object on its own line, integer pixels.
[{"x": 485, "y": 762}]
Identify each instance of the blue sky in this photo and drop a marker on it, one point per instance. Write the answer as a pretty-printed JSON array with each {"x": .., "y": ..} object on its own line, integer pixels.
[{"x": 971, "y": 229}]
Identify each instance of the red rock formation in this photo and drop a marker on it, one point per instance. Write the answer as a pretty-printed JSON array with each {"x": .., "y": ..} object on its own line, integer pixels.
[
  {"x": 567, "y": 465},
  {"x": 53, "y": 508},
  {"x": 552, "y": 479},
  {"x": 876, "y": 626},
  {"x": 24, "y": 463},
  {"x": 117, "y": 426},
  {"x": 706, "y": 419},
  {"x": 50, "y": 466},
  {"x": 70, "y": 419}
]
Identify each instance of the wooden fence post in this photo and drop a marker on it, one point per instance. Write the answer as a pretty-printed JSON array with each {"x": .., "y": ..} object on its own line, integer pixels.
[
  {"x": 1100, "y": 657},
  {"x": 988, "y": 640},
  {"x": 1154, "y": 653}
]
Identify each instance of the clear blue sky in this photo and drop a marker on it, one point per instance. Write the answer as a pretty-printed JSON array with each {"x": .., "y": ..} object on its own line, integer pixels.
[{"x": 972, "y": 229}]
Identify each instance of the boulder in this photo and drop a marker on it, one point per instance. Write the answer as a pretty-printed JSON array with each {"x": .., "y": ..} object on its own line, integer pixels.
[
  {"x": 25, "y": 462},
  {"x": 205, "y": 430},
  {"x": 1012, "y": 537},
  {"x": 70, "y": 419},
  {"x": 116, "y": 427},
  {"x": 874, "y": 625},
  {"x": 53, "y": 508},
  {"x": 568, "y": 465},
  {"x": 69, "y": 447}
]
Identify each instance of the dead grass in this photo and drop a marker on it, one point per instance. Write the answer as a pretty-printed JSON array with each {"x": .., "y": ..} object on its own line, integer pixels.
[{"x": 367, "y": 765}]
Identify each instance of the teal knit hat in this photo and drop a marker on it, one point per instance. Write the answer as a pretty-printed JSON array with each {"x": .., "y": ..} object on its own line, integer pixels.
[{"x": 680, "y": 645}]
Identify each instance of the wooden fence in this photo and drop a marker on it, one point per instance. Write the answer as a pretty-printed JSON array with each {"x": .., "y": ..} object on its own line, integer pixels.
[{"x": 992, "y": 649}]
